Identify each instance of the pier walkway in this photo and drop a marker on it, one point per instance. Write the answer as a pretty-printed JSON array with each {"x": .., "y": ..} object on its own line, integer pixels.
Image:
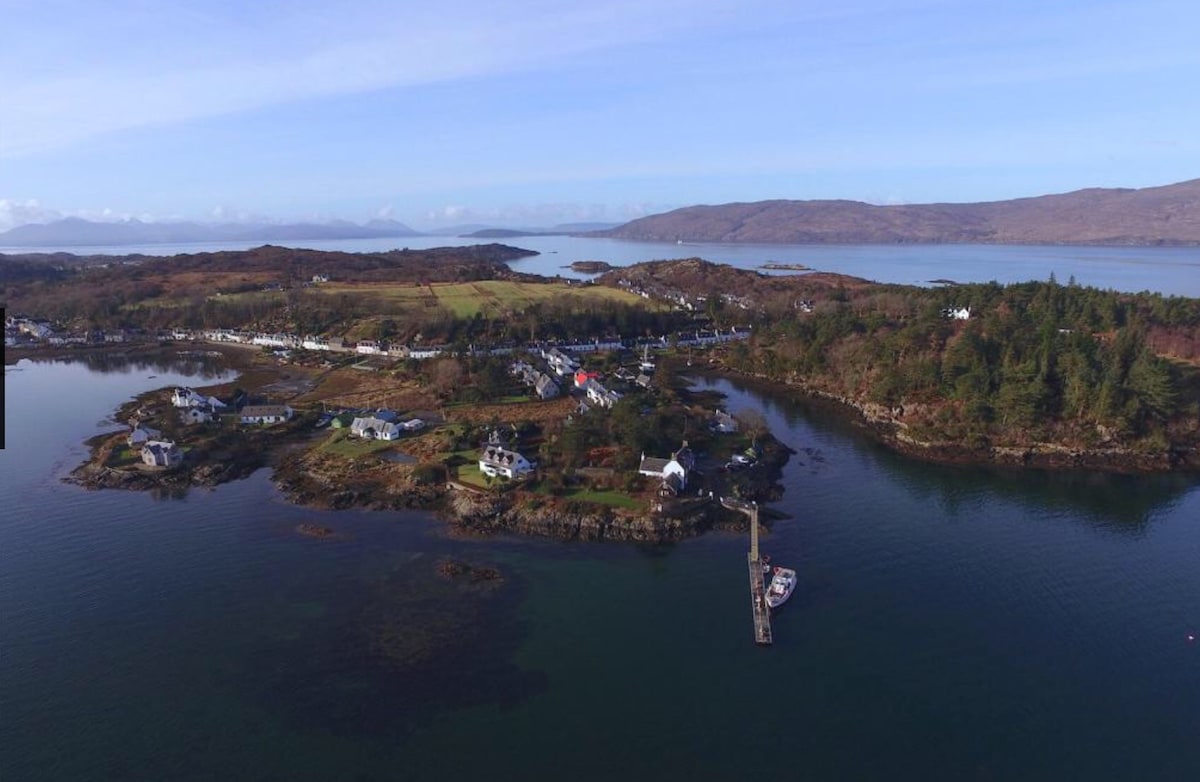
[
  {"x": 758, "y": 596},
  {"x": 758, "y": 603}
]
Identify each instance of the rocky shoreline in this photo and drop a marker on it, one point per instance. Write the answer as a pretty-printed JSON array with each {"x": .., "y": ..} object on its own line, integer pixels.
[
  {"x": 475, "y": 513},
  {"x": 890, "y": 430},
  {"x": 389, "y": 486},
  {"x": 312, "y": 480}
]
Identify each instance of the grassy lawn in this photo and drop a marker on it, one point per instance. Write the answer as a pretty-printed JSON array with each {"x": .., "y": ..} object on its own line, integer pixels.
[
  {"x": 124, "y": 455},
  {"x": 611, "y": 498},
  {"x": 512, "y": 399},
  {"x": 491, "y": 297},
  {"x": 339, "y": 444},
  {"x": 469, "y": 474}
]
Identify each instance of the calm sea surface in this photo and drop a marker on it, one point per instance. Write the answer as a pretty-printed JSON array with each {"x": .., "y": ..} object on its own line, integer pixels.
[
  {"x": 950, "y": 623},
  {"x": 1169, "y": 270}
]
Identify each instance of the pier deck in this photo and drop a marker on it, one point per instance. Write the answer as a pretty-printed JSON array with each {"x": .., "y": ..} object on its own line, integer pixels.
[
  {"x": 758, "y": 602},
  {"x": 758, "y": 591}
]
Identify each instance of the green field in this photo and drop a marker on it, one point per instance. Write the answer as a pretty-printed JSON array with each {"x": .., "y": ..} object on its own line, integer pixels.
[
  {"x": 340, "y": 443},
  {"x": 492, "y": 298},
  {"x": 612, "y": 498},
  {"x": 469, "y": 474}
]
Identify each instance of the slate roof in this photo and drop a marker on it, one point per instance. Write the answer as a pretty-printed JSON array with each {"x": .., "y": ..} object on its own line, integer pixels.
[
  {"x": 264, "y": 411},
  {"x": 499, "y": 457},
  {"x": 653, "y": 464}
]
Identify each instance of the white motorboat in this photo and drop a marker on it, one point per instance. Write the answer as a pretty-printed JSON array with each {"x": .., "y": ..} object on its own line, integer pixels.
[{"x": 783, "y": 581}]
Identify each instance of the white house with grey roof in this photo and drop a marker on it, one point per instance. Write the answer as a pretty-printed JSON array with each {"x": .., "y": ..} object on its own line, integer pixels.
[
  {"x": 266, "y": 414},
  {"x": 161, "y": 453},
  {"x": 499, "y": 461},
  {"x": 140, "y": 435},
  {"x": 545, "y": 387},
  {"x": 673, "y": 472}
]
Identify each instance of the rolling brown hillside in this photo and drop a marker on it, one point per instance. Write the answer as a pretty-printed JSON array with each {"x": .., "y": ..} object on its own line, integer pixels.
[{"x": 1168, "y": 215}]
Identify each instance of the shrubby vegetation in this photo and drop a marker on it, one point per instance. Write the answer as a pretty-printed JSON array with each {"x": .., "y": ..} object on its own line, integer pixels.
[{"x": 1034, "y": 360}]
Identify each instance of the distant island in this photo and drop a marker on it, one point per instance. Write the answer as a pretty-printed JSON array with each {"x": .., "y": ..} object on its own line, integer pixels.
[
  {"x": 591, "y": 267},
  {"x": 505, "y": 233},
  {"x": 565, "y": 229},
  {"x": 777, "y": 266},
  {"x": 1168, "y": 215}
]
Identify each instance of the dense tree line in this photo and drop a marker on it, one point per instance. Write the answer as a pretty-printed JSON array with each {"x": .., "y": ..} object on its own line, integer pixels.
[{"x": 1031, "y": 358}]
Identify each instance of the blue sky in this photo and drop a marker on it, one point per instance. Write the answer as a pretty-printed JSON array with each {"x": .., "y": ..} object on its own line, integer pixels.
[{"x": 539, "y": 112}]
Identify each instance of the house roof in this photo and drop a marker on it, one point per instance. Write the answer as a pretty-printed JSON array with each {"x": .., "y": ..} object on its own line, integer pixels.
[
  {"x": 653, "y": 464},
  {"x": 500, "y": 457},
  {"x": 685, "y": 457},
  {"x": 264, "y": 410},
  {"x": 368, "y": 422}
]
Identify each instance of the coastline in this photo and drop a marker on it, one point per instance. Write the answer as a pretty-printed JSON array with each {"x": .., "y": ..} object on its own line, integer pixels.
[
  {"x": 382, "y": 484},
  {"x": 228, "y": 453}
]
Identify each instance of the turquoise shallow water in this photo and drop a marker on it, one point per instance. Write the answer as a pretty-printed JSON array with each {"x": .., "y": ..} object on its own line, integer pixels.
[{"x": 949, "y": 623}]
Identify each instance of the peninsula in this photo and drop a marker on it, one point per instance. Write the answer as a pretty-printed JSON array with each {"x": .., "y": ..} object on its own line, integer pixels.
[{"x": 443, "y": 379}]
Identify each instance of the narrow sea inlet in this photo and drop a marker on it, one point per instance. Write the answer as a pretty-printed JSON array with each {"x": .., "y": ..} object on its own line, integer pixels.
[{"x": 948, "y": 623}]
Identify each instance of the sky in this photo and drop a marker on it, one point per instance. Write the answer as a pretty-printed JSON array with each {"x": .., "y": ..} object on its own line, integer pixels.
[{"x": 534, "y": 112}]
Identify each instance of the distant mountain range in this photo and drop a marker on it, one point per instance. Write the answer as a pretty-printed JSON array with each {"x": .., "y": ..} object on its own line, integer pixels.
[
  {"x": 1167, "y": 215},
  {"x": 74, "y": 231}
]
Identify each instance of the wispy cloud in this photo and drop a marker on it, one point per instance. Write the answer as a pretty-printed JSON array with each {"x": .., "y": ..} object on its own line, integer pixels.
[
  {"x": 14, "y": 212},
  {"x": 181, "y": 65}
]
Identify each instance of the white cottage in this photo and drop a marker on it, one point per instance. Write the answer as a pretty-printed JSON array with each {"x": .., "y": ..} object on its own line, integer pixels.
[
  {"x": 672, "y": 472},
  {"x": 161, "y": 453},
  {"x": 266, "y": 414},
  {"x": 498, "y": 461},
  {"x": 140, "y": 435}
]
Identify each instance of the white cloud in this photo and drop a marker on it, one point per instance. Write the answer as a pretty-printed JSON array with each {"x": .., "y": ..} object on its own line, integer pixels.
[
  {"x": 14, "y": 213},
  {"x": 223, "y": 213},
  {"x": 183, "y": 64}
]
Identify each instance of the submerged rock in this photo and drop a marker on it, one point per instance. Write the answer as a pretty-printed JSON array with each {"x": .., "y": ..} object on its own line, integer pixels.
[{"x": 310, "y": 530}]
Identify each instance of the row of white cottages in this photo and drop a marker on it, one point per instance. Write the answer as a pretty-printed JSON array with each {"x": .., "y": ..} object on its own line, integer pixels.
[
  {"x": 557, "y": 356},
  {"x": 285, "y": 341},
  {"x": 197, "y": 408}
]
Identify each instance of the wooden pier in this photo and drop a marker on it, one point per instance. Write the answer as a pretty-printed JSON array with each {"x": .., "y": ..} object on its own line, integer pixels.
[
  {"x": 758, "y": 603},
  {"x": 758, "y": 593}
]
